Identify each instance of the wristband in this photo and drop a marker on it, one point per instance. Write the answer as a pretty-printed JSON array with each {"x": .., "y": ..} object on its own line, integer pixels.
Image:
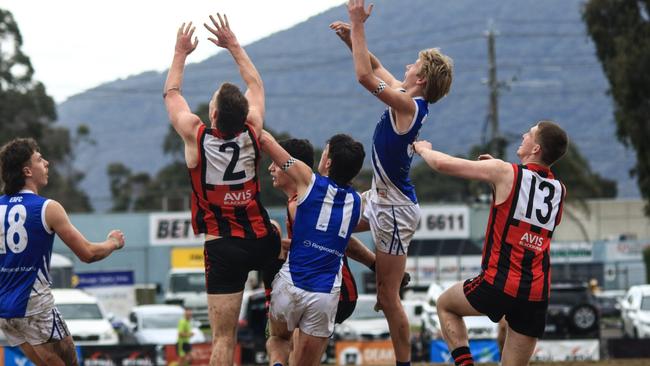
[
  {"x": 380, "y": 88},
  {"x": 288, "y": 164}
]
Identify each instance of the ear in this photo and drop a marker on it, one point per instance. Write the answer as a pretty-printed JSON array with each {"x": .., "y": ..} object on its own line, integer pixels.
[
  {"x": 328, "y": 164},
  {"x": 537, "y": 149},
  {"x": 421, "y": 82},
  {"x": 213, "y": 118}
]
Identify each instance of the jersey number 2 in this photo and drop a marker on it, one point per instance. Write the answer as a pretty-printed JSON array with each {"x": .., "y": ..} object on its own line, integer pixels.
[
  {"x": 230, "y": 174},
  {"x": 16, "y": 236}
]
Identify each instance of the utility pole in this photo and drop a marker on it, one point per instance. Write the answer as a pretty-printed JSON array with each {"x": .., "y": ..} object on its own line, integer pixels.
[{"x": 495, "y": 143}]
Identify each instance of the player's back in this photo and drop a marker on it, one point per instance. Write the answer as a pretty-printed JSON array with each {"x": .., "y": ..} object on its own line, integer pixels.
[
  {"x": 325, "y": 218},
  {"x": 25, "y": 252}
]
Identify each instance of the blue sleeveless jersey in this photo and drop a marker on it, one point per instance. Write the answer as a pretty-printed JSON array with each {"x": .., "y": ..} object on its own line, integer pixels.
[
  {"x": 391, "y": 158},
  {"x": 25, "y": 252},
  {"x": 325, "y": 219}
]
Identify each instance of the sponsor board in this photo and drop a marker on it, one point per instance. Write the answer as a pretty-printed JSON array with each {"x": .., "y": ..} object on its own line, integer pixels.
[
  {"x": 173, "y": 228},
  {"x": 118, "y": 355},
  {"x": 567, "y": 350},
  {"x": 443, "y": 222},
  {"x": 13, "y": 356},
  {"x": 365, "y": 353},
  {"x": 200, "y": 354},
  {"x": 483, "y": 350}
]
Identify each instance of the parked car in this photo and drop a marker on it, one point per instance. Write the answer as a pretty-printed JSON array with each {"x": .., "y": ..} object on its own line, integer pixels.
[
  {"x": 478, "y": 327},
  {"x": 158, "y": 324},
  {"x": 365, "y": 323},
  {"x": 609, "y": 302},
  {"x": 635, "y": 312},
  {"x": 85, "y": 318},
  {"x": 573, "y": 312}
]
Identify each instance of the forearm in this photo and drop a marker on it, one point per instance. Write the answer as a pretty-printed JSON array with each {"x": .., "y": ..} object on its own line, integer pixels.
[
  {"x": 360, "y": 53},
  {"x": 434, "y": 159},
  {"x": 359, "y": 252},
  {"x": 175, "y": 75},
  {"x": 247, "y": 69},
  {"x": 99, "y": 251}
]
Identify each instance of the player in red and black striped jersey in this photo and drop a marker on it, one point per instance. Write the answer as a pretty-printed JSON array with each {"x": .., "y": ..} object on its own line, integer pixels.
[
  {"x": 516, "y": 267},
  {"x": 223, "y": 161}
]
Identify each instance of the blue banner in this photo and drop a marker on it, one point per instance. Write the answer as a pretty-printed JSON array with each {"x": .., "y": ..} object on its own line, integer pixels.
[
  {"x": 483, "y": 350},
  {"x": 13, "y": 356},
  {"x": 105, "y": 279}
]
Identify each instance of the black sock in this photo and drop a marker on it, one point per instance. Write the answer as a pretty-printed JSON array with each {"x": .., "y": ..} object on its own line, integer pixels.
[{"x": 462, "y": 356}]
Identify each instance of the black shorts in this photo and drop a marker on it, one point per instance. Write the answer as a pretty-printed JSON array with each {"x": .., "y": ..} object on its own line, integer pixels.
[
  {"x": 345, "y": 309},
  {"x": 228, "y": 261},
  {"x": 186, "y": 348},
  {"x": 525, "y": 317}
]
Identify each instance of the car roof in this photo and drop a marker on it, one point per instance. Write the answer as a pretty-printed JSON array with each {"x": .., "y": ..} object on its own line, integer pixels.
[
  {"x": 157, "y": 309},
  {"x": 72, "y": 296},
  {"x": 644, "y": 289},
  {"x": 187, "y": 270}
]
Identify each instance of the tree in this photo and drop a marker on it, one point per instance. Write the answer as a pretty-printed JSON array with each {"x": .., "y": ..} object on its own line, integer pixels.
[
  {"x": 621, "y": 31},
  {"x": 27, "y": 111}
]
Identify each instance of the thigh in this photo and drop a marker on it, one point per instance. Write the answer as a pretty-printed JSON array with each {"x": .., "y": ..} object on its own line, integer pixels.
[
  {"x": 320, "y": 312},
  {"x": 226, "y": 265},
  {"x": 453, "y": 300},
  {"x": 284, "y": 309},
  {"x": 389, "y": 272},
  {"x": 62, "y": 351},
  {"x": 224, "y": 313},
  {"x": 485, "y": 299},
  {"x": 517, "y": 349},
  {"x": 309, "y": 349}
]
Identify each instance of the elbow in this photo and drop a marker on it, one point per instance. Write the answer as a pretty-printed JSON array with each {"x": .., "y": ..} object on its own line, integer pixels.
[{"x": 364, "y": 78}]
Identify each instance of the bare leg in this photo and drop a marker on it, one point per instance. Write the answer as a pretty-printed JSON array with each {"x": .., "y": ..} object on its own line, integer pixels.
[
  {"x": 309, "y": 349},
  {"x": 452, "y": 307},
  {"x": 30, "y": 353},
  {"x": 278, "y": 345},
  {"x": 518, "y": 349},
  {"x": 61, "y": 353},
  {"x": 501, "y": 334},
  {"x": 390, "y": 270},
  {"x": 224, "y": 315}
]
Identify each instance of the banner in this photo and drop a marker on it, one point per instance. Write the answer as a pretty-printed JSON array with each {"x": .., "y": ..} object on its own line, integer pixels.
[
  {"x": 567, "y": 350},
  {"x": 443, "y": 222},
  {"x": 365, "y": 353},
  {"x": 187, "y": 258},
  {"x": 483, "y": 350},
  {"x": 173, "y": 228},
  {"x": 200, "y": 354},
  {"x": 114, "y": 290},
  {"x": 119, "y": 355}
]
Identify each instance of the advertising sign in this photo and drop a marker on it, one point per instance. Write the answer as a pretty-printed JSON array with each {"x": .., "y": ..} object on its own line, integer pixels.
[
  {"x": 187, "y": 258},
  {"x": 119, "y": 355},
  {"x": 200, "y": 354},
  {"x": 567, "y": 350},
  {"x": 115, "y": 290},
  {"x": 172, "y": 228},
  {"x": 365, "y": 353},
  {"x": 483, "y": 350},
  {"x": 443, "y": 222},
  {"x": 13, "y": 356}
]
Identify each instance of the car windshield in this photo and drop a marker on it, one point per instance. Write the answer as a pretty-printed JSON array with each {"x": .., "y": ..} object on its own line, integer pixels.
[
  {"x": 80, "y": 311},
  {"x": 161, "y": 321},
  {"x": 645, "y": 303},
  {"x": 187, "y": 282},
  {"x": 365, "y": 310}
]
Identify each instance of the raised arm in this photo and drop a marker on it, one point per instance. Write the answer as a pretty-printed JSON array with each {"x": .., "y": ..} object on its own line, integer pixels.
[
  {"x": 225, "y": 38},
  {"x": 401, "y": 103},
  {"x": 183, "y": 120},
  {"x": 342, "y": 30},
  {"x": 57, "y": 219},
  {"x": 298, "y": 171}
]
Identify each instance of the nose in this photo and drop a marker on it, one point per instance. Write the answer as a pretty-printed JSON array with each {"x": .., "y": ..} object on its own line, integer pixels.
[{"x": 47, "y": 163}]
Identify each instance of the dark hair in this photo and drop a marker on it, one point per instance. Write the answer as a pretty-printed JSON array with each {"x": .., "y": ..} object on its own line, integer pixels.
[
  {"x": 14, "y": 156},
  {"x": 232, "y": 106},
  {"x": 300, "y": 149},
  {"x": 347, "y": 157},
  {"x": 553, "y": 141}
]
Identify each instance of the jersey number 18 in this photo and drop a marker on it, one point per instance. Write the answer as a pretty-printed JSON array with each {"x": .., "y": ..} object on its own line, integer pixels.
[{"x": 15, "y": 236}]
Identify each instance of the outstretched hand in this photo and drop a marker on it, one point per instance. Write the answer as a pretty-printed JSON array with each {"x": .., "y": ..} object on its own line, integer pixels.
[
  {"x": 225, "y": 38},
  {"x": 357, "y": 11},
  {"x": 184, "y": 42},
  {"x": 342, "y": 29}
]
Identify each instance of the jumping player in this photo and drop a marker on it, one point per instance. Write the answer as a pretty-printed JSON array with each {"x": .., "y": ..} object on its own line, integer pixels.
[
  {"x": 391, "y": 207},
  {"x": 306, "y": 292},
  {"x": 515, "y": 278},
  {"x": 28, "y": 223},
  {"x": 222, "y": 161}
]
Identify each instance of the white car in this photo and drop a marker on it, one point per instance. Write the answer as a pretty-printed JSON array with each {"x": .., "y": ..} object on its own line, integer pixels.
[
  {"x": 158, "y": 324},
  {"x": 478, "y": 327},
  {"x": 635, "y": 312},
  {"x": 84, "y": 317},
  {"x": 364, "y": 323}
]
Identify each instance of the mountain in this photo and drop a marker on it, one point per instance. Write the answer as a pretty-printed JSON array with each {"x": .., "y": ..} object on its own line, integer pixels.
[{"x": 544, "y": 56}]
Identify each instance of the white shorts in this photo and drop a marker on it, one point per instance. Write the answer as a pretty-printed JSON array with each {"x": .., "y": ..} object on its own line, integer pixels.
[
  {"x": 40, "y": 328},
  {"x": 392, "y": 226},
  {"x": 311, "y": 312}
]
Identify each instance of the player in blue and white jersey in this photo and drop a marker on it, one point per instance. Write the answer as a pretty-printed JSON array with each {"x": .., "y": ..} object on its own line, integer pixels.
[
  {"x": 391, "y": 206},
  {"x": 306, "y": 290},
  {"x": 28, "y": 223}
]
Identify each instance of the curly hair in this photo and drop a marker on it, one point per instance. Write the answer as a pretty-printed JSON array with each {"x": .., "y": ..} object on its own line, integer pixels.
[{"x": 14, "y": 156}]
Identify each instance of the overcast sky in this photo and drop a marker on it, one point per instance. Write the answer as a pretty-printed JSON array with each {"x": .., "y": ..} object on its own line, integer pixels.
[{"x": 75, "y": 45}]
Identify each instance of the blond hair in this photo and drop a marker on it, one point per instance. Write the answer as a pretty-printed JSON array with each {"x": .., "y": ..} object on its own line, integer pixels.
[{"x": 437, "y": 68}]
